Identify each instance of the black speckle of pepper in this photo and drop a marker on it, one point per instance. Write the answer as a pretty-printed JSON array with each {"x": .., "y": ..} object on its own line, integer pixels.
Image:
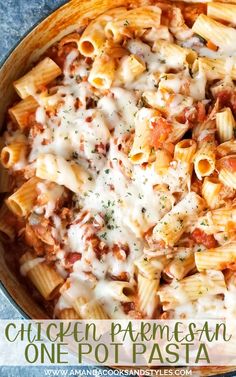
[
  {"x": 75, "y": 155},
  {"x": 143, "y": 210}
]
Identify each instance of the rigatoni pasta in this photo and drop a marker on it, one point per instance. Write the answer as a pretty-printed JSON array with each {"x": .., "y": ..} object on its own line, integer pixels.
[
  {"x": 68, "y": 314},
  {"x": 204, "y": 160},
  {"x": 180, "y": 266},
  {"x": 218, "y": 259},
  {"x": 13, "y": 154},
  {"x": 5, "y": 180},
  {"x": 222, "y": 36},
  {"x": 93, "y": 37},
  {"x": 58, "y": 170},
  {"x": 134, "y": 19},
  {"x": 131, "y": 67},
  {"x": 141, "y": 148},
  {"x": 191, "y": 288},
  {"x": 93, "y": 310},
  {"x": 122, "y": 291},
  {"x": 43, "y": 277},
  {"x": 171, "y": 51},
  {"x": 147, "y": 295},
  {"x": 7, "y": 228},
  {"x": 226, "y": 148},
  {"x": 228, "y": 178},
  {"x": 185, "y": 150},
  {"x": 102, "y": 72},
  {"x": 221, "y": 11},
  {"x": 227, "y": 173},
  {"x": 216, "y": 68},
  {"x": 210, "y": 191},
  {"x": 120, "y": 156},
  {"x": 225, "y": 124},
  {"x": 163, "y": 160},
  {"x": 21, "y": 112},
  {"x": 42, "y": 74},
  {"x": 171, "y": 227},
  {"x": 22, "y": 201}
]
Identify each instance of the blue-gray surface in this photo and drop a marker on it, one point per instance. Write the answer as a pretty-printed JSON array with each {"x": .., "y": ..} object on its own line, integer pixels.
[{"x": 16, "y": 18}]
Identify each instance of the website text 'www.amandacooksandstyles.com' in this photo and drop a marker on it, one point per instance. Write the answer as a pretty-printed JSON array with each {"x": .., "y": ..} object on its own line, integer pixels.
[{"x": 119, "y": 373}]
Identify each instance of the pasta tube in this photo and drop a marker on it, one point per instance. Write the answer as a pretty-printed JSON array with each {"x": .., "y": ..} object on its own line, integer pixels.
[
  {"x": 210, "y": 191},
  {"x": 68, "y": 314},
  {"x": 44, "y": 278},
  {"x": 227, "y": 178},
  {"x": 191, "y": 288},
  {"x": 93, "y": 38},
  {"x": 219, "y": 258},
  {"x": 130, "y": 68},
  {"x": 226, "y": 148},
  {"x": 204, "y": 160},
  {"x": 227, "y": 175},
  {"x": 147, "y": 295},
  {"x": 174, "y": 55},
  {"x": 13, "y": 154},
  {"x": 4, "y": 180},
  {"x": 170, "y": 228},
  {"x": 225, "y": 124},
  {"x": 42, "y": 74},
  {"x": 84, "y": 307},
  {"x": 141, "y": 148},
  {"x": 134, "y": 19},
  {"x": 162, "y": 162},
  {"x": 21, "y": 112},
  {"x": 57, "y": 169},
  {"x": 181, "y": 265},
  {"x": 185, "y": 150},
  {"x": 217, "y": 220},
  {"x": 93, "y": 310},
  {"x": 7, "y": 229},
  {"x": 151, "y": 269},
  {"x": 221, "y": 35},
  {"x": 102, "y": 72},
  {"x": 121, "y": 290},
  {"x": 221, "y": 11},
  {"x": 22, "y": 201},
  {"x": 216, "y": 69}
]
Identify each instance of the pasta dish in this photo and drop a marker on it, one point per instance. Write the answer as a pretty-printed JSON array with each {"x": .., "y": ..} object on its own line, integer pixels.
[{"x": 119, "y": 166}]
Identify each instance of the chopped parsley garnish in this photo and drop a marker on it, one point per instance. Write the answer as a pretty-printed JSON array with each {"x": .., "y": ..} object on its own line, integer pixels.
[{"x": 104, "y": 235}]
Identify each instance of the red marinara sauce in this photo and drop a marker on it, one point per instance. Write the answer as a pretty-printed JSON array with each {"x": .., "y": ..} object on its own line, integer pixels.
[
  {"x": 208, "y": 240},
  {"x": 159, "y": 132}
]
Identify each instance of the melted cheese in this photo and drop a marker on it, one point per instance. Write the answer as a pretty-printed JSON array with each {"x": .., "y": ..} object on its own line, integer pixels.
[
  {"x": 124, "y": 194},
  {"x": 29, "y": 265},
  {"x": 121, "y": 202},
  {"x": 208, "y": 306},
  {"x": 52, "y": 195}
]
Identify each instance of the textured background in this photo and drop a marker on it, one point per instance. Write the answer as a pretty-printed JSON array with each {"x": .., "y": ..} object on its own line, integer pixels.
[{"x": 16, "y": 18}]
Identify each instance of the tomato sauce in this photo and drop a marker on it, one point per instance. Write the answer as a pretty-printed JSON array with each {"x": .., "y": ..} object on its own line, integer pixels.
[{"x": 208, "y": 240}]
